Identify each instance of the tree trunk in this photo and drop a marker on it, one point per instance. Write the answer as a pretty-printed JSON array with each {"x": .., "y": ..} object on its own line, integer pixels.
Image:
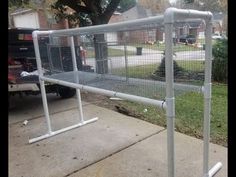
[{"x": 101, "y": 54}]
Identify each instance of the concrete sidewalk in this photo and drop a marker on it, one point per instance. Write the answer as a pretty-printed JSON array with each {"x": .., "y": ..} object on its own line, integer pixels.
[{"x": 114, "y": 146}]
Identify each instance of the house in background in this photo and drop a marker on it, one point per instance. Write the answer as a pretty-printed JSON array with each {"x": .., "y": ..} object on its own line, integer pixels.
[
  {"x": 136, "y": 12},
  {"x": 39, "y": 18},
  {"x": 43, "y": 19},
  {"x": 153, "y": 34},
  {"x": 112, "y": 37},
  {"x": 196, "y": 28},
  {"x": 218, "y": 23}
]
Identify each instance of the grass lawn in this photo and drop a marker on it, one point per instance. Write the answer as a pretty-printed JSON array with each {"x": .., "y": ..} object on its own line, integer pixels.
[
  {"x": 202, "y": 41},
  {"x": 193, "y": 65},
  {"x": 111, "y": 53},
  {"x": 142, "y": 71},
  {"x": 189, "y": 107},
  {"x": 145, "y": 71},
  {"x": 177, "y": 47},
  {"x": 189, "y": 114}
]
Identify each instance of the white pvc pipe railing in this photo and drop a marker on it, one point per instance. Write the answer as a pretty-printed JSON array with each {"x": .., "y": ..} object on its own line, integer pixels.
[
  {"x": 42, "y": 85},
  {"x": 171, "y": 16},
  {"x": 53, "y": 133},
  {"x": 77, "y": 78},
  {"x": 213, "y": 170},
  {"x": 207, "y": 102},
  {"x": 134, "y": 98},
  {"x": 170, "y": 100}
]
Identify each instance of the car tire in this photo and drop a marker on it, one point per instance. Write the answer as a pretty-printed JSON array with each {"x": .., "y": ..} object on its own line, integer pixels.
[{"x": 66, "y": 92}]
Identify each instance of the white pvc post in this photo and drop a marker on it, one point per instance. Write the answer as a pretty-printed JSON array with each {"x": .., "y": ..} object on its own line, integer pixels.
[
  {"x": 126, "y": 62},
  {"x": 72, "y": 45},
  {"x": 207, "y": 98},
  {"x": 207, "y": 104},
  {"x": 170, "y": 100},
  {"x": 42, "y": 85}
]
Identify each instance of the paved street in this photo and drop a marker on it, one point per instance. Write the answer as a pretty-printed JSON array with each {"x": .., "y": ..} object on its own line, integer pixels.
[{"x": 148, "y": 56}]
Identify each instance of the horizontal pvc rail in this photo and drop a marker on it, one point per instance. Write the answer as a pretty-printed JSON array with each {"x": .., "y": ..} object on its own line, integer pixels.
[
  {"x": 53, "y": 133},
  {"x": 126, "y": 25},
  {"x": 172, "y": 15},
  {"x": 139, "y": 99}
]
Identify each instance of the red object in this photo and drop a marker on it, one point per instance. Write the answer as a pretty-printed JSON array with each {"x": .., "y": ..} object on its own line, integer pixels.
[
  {"x": 83, "y": 55},
  {"x": 11, "y": 78},
  {"x": 14, "y": 70},
  {"x": 11, "y": 61},
  {"x": 28, "y": 37}
]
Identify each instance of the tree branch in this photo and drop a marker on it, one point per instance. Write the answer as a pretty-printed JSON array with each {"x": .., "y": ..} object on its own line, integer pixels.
[
  {"x": 93, "y": 8},
  {"x": 110, "y": 10},
  {"x": 75, "y": 5},
  {"x": 93, "y": 5}
]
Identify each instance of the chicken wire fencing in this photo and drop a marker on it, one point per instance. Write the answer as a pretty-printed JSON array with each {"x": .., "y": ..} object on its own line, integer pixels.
[
  {"x": 130, "y": 61},
  {"x": 148, "y": 61}
]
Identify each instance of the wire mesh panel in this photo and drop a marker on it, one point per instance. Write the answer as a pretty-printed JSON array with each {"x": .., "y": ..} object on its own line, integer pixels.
[
  {"x": 130, "y": 60},
  {"x": 189, "y": 54}
]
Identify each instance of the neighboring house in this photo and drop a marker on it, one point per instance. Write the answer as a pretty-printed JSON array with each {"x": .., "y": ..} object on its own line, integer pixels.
[
  {"x": 218, "y": 23},
  {"x": 196, "y": 28},
  {"x": 136, "y": 12},
  {"x": 36, "y": 19},
  {"x": 113, "y": 37}
]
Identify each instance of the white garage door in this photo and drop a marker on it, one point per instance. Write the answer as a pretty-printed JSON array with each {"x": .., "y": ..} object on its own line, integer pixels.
[
  {"x": 111, "y": 37},
  {"x": 29, "y": 20}
]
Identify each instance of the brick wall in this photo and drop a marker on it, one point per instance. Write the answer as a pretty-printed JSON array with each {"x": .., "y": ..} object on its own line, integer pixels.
[
  {"x": 44, "y": 24},
  {"x": 115, "y": 18},
  {"x": 159, "y": 34},
  {"x": 42, "y": 19}
]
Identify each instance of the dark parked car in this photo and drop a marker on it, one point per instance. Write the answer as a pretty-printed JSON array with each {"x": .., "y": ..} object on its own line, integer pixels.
[{"x": 187, "y": 39}]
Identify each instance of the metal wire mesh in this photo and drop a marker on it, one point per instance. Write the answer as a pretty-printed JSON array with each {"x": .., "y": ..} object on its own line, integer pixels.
[{"x": 128, "y": 61}]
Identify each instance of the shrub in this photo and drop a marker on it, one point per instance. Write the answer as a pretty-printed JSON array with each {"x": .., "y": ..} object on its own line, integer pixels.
[
  {"x": 161, "y": 68},
  {"x": 220, "y": 61}
]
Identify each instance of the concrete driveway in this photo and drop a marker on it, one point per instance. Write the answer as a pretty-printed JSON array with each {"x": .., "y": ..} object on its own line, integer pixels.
[{"x": 115, "y": 145}]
